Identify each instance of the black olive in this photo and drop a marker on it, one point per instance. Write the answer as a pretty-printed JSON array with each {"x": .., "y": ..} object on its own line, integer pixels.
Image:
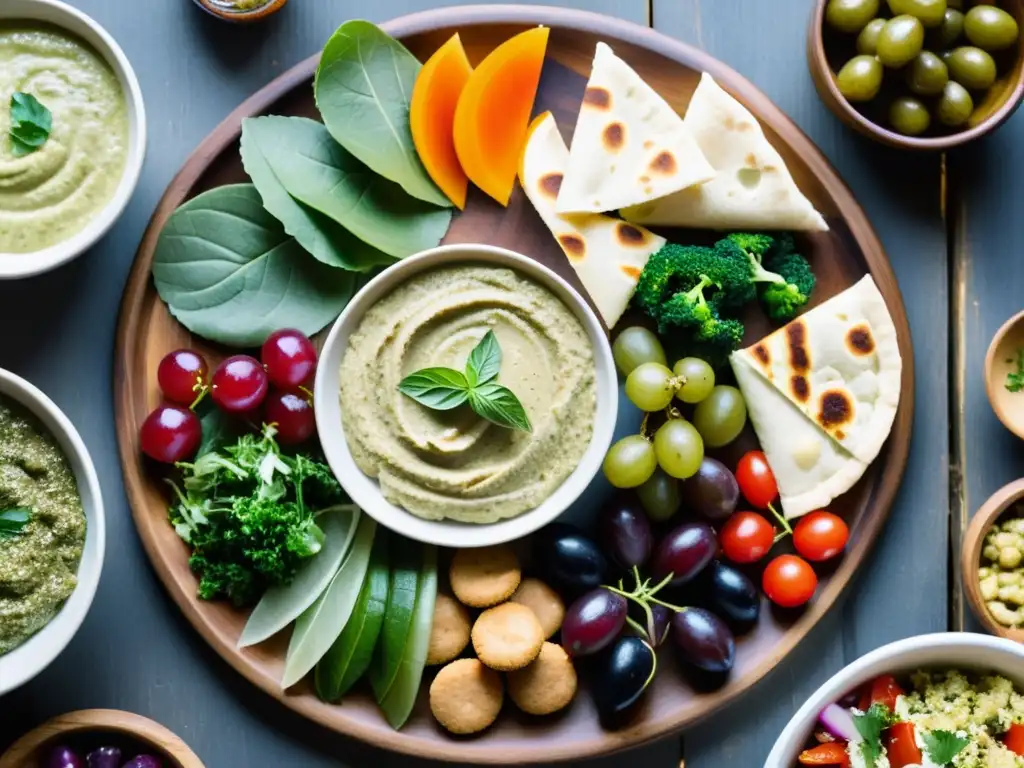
[{"x": 622, "y": 674}]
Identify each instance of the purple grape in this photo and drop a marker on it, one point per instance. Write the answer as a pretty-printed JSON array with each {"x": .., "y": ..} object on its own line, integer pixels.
[
  {"x": 570, "y": 559},
  {"x": 704, "y": 639},
  {"x": 624, "y": 531},
  {"x": 684, "y": 553},
  {"x": 593, "y": 622},
  {"x": 662, "y": 623},
  {"x": 143, "y": 761},
  {"x": 713, "y": 492},
  {"x": 104, "y": 757},
  {"x": 623, "y": 674},
  {"x": 62, "y": 757}
]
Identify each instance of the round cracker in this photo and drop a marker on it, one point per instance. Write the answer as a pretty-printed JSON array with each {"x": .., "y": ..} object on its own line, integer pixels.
[
  {"x": 507, "y": 637},
  {"x": 466, "y": 696},
  {"x": 543, "y": 601},
  {"x": 484, "y": 577},
  {"x": 449, "y": 634},
  {"x": 546, "y": 685}
]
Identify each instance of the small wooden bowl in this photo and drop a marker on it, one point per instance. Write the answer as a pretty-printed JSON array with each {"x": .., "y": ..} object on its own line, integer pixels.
[
  {"x": 221, "y": 11},
  {"x": 1000, "y": 360},
  {"x": 1001, "y": 100},
  {"x": 30, "y": 750},
  {"x": 970, "y": 556}
]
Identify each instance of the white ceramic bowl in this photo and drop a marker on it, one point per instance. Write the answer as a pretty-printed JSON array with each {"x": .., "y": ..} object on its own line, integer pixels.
[
  {"x": 957, "y": 650},
  {"x": 18, "y": 265},
  {"x": 366, "y": 492},
  {"x": 34, "y": 655}
]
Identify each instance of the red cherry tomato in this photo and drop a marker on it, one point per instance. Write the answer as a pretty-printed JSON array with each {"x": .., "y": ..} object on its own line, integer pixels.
[
  {"x": 789, "y": 581},
  {"x": 882, "y": 690},
  {"x": 756, "y": 479},
  {"x": 820, "y": 536},
  {"x": 1015, "y": 739},
  {"x": 746, "y": 537},
  {"x": 826, "y": 754},
  {"x": 901, "y": 747}
]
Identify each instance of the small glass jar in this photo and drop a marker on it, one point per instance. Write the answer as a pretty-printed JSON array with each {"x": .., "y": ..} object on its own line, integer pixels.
[{"x": 241, "y": 10}]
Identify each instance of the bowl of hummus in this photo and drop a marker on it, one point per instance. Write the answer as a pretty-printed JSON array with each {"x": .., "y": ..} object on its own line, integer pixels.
[
  {"x": 519, "y": 415},
  {"x": 72, "y": 134},
  {"x": 52, "y": 531}
]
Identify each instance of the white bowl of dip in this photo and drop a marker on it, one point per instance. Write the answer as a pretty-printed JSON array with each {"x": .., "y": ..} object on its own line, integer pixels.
[
  {"x": 366, "y": 491},
  {"x": 38, "y": 14},
  {"x": 944, "y": 650},
  {"x": 24, "y": 662}
]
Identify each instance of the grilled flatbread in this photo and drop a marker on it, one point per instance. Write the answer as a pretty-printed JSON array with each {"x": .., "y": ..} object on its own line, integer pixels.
[
  {"x": 607, "y": 253},
  {"x": 752, "y": 188},
  {"x": 629, "y": 146}
]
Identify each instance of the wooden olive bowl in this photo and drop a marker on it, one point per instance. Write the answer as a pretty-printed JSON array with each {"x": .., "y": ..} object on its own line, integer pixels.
[
  {"x": 1000, "y": 360},
  {"x": 30, "y": 750},
  {"x": 828, "y": 50},
  {"x": 256, "y": 14},
  {"x": 970, "y": 556}
]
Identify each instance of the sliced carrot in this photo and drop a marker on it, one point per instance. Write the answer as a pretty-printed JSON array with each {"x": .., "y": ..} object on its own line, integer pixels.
[
  {"x": 833, "y": 753},
  {"x": 432, "y": 117},
  {"x": 493, "y": 112}
]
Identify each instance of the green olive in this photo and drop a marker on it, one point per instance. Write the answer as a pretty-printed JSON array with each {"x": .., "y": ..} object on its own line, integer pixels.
[
  {"x": 867, "y": 40},
  {"x": 860, "y": 78},
  {"x": 850, "y": 15},
  {"x": 946, "y": 56},
  {"x": 949, "y": 31},
  {"x": 955, "y": 105},
  {"x": 909, "y": 116},
  {"x": 927, "y": 74},
  {"x": 990, "y": 28},
  {"x": 972, "y": 68},
  {"x": 900, "y": 40},
  {"x": 930, "y": 12}
]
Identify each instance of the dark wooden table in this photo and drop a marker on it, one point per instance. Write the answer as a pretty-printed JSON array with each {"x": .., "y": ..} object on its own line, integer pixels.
[{"x": 954, "y": 238}]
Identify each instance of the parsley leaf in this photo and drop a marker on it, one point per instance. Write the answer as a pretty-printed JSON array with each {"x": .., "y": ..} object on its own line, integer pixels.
[
  {"x": 31, "y": 123},
  {"x": 943, "y": 746},
  {"x": 1015, "y": 379},
  {"x": 870, "y": 726},
  {"x": 13, "y": 520}
]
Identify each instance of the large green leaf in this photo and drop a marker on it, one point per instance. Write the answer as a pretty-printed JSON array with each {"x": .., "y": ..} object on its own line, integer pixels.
[
  {"x": 316, "y": 170},
  {"x": 323, "y": 237},
  {"x": 363, "y": 86},
  {"x": 229, "y": 272}
]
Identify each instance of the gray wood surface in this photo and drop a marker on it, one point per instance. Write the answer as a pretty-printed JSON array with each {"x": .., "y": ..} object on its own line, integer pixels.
[{"x": 136, "y": 652}]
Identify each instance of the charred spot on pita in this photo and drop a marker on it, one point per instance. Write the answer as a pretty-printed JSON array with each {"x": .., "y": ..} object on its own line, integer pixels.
[
  {"x": 801, "y": 389},
  {"x": 597, "y": 97},
  {"x": 630, "y": 271},
  {"x": 750, "y": 160},
  {"x": 614, "y": 136},
  {"x": 860, "y": 341},
  {"x": 573, "y": 245},
  {"x": 550, "y": 183},
  {"x": 664, "y": 162},
  {"x": 836, "y": 410},
  {"x": 627, "y": 234},
  {"x": 796, "y": 336},
  {"x": 648, "y": 144},
  {"x": 763, "y": 355},
  {"x": 645, "y": 179}
]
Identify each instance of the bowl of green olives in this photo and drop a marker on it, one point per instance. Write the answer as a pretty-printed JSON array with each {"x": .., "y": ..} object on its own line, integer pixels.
[{"x": 919, "y": 74}]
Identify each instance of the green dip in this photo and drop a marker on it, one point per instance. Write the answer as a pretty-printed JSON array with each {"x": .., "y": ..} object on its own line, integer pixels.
[
  {"x": 39, "y": 565},
  {"x": 240, "y": 5},
  {"x": 50, "y": 195}
]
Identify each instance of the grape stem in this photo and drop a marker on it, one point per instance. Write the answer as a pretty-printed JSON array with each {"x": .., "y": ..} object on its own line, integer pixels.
[
  {"x": 787, "y": 529},
  {"x": 201, "y": 389},
  {"x": 673, "y": 413},
  {"x": 644, "y": 595},
  {"x": 643, "y": 427}
]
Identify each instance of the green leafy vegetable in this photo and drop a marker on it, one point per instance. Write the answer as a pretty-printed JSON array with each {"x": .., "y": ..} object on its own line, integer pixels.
[
  {"x": 406, "y": 559},
  {"x": 1015, "y": 379},
  {"x": 300, "y": 156},
  {"x": 362, "y": 87},
  {"x": 870, "y": 726},
  {"x": 445, "y": 388},
  {"x": 31, "y": 124},
  {"x": 12, "y": 521},
  {"x": 229, "y": 273},
  {"x": 943, "y": 746}
]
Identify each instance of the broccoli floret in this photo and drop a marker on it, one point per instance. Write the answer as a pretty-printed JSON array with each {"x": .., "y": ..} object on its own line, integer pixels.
[
  {"x": 782, "y": 276},
  {"x": 686, "y": 310},
  {"x": 679, "y": 269}
]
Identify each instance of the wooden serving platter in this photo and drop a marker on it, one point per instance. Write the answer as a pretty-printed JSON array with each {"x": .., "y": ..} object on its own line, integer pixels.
[{"x": 840, "y": 257}]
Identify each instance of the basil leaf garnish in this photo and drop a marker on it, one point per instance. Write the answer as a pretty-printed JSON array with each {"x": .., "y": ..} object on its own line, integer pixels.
[
  {"x": 13, "y": 520},
  {"x": 484, "y": 361},
  {"x": 31, "y": 123},
  {"x": 499, "y": 406},
  {"x": 438, "y": 388}
]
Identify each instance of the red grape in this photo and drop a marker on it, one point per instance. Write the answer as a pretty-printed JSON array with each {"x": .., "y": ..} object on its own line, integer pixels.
[
  {"x": 593, "y": 622},
  {"x": 239, "y": 384},
  {"x": 684, "y": 552},
  {"x": 705, "y": 640},
  {"x": 170, "y": 433},
  {"x": 625, "y": 532},
  {"x": 181, "y": 375},
  {"x": 289, "y": 358},
  {"x": 293, "y": 415}
]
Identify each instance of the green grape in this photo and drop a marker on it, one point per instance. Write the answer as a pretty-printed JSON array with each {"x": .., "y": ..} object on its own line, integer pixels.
[
  {"x": 659, "y": 496},
  {"x": 636, "y": 346},
  {"x": 678, "y": 448},
  {"x": 721, "y": 416},
  {"x": 630, "y": 462},
  {"x": 698, "y": 377},
  {"x": 650, "y": 387}
]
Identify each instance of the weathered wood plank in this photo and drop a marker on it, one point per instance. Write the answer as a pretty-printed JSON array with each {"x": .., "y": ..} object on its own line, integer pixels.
[{"x": 901, "y": 194}]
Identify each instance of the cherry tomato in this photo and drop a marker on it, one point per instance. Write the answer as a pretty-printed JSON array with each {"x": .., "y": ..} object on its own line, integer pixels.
[
  {"x": 1015, "y": 739},
  {"x": 746, "y": 537},
  {"x": 901, "y": 747},
  {"x": 820, "y": 536},
  {"x": 789, "y": 581},
  {"x": 882, "y": 690},
  {"x": 826, "y": 754},
  {"x": 756, "y": 479}
]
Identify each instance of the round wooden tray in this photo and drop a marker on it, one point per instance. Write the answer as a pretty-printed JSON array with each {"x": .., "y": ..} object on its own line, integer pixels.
[{"x": 146, "y": 332}]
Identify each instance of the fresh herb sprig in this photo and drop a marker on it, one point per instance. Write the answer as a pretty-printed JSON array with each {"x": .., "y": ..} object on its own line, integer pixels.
[
  {"x": 943, "y": 746},
  {"x": 12, "y": 521},
  {"x": 31, "y": 124},
  {"x": 442, "y": 389},
  {"x": 1015, "y": 379},
  {"x": 870, "y": 726}
]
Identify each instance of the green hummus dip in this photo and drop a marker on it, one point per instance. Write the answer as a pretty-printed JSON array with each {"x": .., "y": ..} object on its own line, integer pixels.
[
  {"x": 50, "y": 195},
  {"x": 39, "y": 565},
  {"x": 453, "y": 464}
]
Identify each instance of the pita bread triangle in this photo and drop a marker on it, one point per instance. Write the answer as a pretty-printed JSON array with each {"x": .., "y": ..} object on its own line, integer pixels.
[
  {"x": 608, "y": 254},
  {"x": 752, "y": 188},
  {"x": 629, "y": 146}
]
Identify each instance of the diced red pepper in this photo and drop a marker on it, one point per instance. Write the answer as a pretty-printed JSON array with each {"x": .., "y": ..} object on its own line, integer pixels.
[
  {"x": 833, "y": 753},
  {"x": 882, "y": 690},
  {"x": 1015, "y": 739},
  {"x": 901, "y": 746}
]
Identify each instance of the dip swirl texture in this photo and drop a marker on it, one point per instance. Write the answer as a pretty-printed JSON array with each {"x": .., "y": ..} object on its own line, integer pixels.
[
  {"x": 50, "y": 195},
  {"x": 453, "y": 464}
]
